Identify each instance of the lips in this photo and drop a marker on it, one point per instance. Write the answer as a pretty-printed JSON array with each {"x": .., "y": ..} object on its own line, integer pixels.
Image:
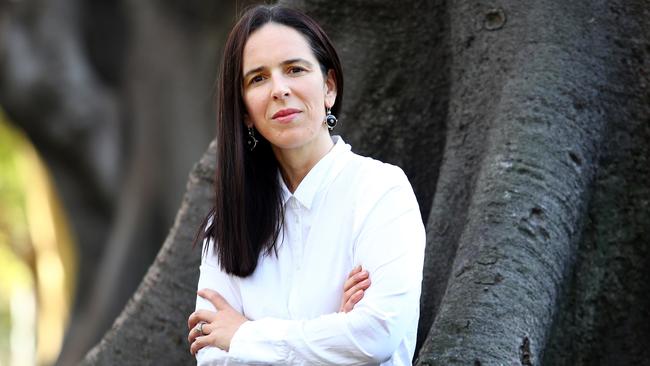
[{"x": 285, "y": 113}]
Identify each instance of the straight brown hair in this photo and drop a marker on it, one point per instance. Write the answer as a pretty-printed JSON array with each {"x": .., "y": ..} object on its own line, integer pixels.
[{"x": 247, "y": 215}]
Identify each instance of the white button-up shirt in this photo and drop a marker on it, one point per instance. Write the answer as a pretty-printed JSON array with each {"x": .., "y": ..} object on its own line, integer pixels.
[{"x": 349, "y": 210}]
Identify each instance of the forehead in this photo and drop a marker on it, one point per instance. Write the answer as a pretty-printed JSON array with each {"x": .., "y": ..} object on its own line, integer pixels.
[{"x": 273, "y": 43}]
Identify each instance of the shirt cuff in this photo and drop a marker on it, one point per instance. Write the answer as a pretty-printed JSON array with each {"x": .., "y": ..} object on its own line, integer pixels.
[
  {"x": 211, "y": 356},
  {"x": 261, "y": 341}
]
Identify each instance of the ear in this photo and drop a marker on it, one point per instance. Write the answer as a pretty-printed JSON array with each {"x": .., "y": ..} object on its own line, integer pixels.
[
  {"x": 330, "y": 88},
  {"x": 247, "y": 121}
]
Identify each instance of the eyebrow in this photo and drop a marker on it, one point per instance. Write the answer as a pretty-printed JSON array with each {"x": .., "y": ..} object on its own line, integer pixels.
[{"x": 283, "y": 63}]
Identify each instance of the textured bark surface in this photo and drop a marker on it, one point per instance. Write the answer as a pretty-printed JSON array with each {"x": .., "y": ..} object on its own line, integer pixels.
[
  {"x": 534, "y": 127},
  {"x": 525, "y": 130},
  {"x": 549, "y": 105},
  {"x": 604, "y": 317}
]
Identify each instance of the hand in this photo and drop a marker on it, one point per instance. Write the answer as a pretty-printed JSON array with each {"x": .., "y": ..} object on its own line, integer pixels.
[
  {"x": 218, "y": 328},
  {"x": 354, "y": 288}
]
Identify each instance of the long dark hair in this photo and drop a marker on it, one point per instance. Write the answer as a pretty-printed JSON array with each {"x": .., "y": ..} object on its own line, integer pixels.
[{"x": 247, "y": 215}]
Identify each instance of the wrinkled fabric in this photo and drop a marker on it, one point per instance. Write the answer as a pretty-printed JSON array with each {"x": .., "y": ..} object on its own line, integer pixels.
[{"x": 349, "y": 210}]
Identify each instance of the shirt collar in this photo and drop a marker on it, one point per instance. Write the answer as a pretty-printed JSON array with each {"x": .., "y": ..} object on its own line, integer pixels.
[{"x": 319, "y": 176}]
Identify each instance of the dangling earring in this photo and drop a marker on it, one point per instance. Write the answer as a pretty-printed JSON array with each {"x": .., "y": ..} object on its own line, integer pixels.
[
  {"x": 251, "y": 141},
  {"x": 330, "y": 119}
]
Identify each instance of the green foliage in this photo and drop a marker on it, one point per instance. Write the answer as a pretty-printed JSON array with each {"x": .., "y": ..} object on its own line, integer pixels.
[
  {"x": 13, "y": 225},
  {"x": 14, "y": 273}
]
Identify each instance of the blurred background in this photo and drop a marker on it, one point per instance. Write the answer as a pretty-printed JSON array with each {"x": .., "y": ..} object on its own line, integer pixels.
[
  {"x": 104, "y": 108},
  {"x": 37, "y": 255}
]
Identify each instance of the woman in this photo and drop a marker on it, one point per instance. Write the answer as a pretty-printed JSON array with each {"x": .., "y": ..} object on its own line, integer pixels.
[{"x": 296, "y": 211}]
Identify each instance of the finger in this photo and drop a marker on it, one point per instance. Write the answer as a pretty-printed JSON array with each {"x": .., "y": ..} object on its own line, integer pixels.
[
  {"x": 363, "y": 285},
  {"x": 354, "y": 299},
  {"x": 356, "y": 278},
  {"x": 205, "y": 315},
  {"x": 192, "y": 320},
  {"x": 196, "y": 332},
  {"x": 196, "y": 317},
  {"x": 348, "y": 306},
  {"x": 347, "y": 295},
  {"x": 354, "y": 271},
  {"x": 198, "y": 343},
  {"x": 207, "y": 328},
  {"x": 192, "y": 335},
  {"x": 215, "y": 298}
]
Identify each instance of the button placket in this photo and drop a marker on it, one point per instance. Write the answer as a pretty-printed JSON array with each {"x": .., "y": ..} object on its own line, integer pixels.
[
  {"x": 295, "y": 253},
  {"x": 299, "y": 237}
]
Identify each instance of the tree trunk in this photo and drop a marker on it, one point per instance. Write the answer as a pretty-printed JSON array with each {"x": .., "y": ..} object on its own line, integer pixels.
[{"x": 537, "y": 134}]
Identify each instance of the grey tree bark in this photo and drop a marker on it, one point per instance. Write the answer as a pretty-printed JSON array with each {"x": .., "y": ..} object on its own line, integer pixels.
[
  {"x": 550, "y": 105},
  {"x": 525, "y": 130}
]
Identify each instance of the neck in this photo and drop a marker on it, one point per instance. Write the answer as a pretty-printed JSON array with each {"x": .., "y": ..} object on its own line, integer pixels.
[{"x": 296, "y": 163}]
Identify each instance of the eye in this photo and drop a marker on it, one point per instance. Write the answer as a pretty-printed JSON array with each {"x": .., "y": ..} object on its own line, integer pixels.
[
  {"x": 256, "y": 79},
  {"x": 296, "y": 69}
]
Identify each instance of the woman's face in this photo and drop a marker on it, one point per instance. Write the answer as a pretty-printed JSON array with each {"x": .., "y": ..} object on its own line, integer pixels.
[{"x": 284, "y": 89}]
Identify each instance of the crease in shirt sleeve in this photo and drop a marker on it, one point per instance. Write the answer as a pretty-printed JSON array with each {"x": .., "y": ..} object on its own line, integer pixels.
[{"x": 261, "y": 341}]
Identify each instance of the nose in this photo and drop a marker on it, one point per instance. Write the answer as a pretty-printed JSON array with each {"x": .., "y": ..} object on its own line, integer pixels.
[{"x": 280, "y": 88}]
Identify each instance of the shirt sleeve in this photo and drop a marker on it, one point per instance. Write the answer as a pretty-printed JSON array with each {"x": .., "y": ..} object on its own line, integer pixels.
[
  {"x": 390, "y": 245},
  {"x": 211, "y": 276}
]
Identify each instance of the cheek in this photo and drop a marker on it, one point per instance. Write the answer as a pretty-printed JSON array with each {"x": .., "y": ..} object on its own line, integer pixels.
[{"x": 254, "y": 104}]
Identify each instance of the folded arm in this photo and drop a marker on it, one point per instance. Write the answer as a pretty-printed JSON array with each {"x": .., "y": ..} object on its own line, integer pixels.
[
  {"x": 390, "y": 247},
  {"x": 373, "y": 330}
]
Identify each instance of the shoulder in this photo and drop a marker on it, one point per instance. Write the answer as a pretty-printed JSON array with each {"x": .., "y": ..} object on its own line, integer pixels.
[
  {"x": 368, "y": 182},
  {"x": 380, "y": 199},
  {"x": 375, "y": 175}
]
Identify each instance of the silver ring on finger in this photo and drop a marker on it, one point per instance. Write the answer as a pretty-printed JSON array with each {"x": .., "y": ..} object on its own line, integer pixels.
[{"x": 199, "y": 328}]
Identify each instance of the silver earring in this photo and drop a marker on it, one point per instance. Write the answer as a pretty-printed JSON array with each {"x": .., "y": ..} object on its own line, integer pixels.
[
  {"x": 330, "y": 119},
  {"x": 251, "y": 141}
]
